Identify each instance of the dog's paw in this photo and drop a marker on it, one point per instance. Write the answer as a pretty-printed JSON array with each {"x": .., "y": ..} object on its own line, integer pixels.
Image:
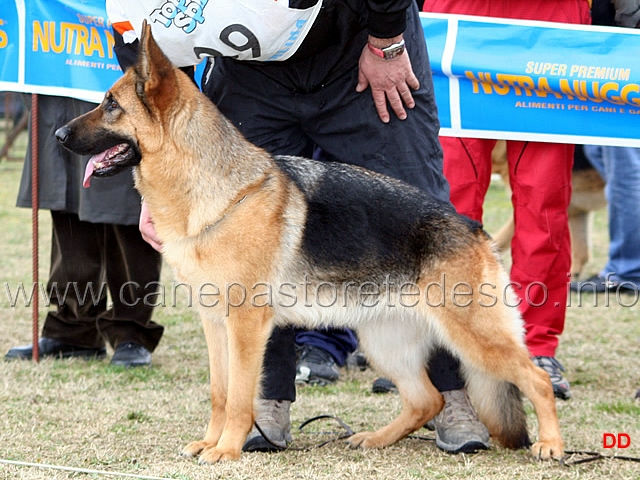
[
  {"x": 548, "y": 449},
  {"x": 194, "y": 448},
  {"x": 364, "y": 440},
  {"x": 215, "y": 455}
]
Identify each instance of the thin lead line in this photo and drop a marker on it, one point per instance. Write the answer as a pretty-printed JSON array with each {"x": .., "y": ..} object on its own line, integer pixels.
[{"x": 78, "y": 470}]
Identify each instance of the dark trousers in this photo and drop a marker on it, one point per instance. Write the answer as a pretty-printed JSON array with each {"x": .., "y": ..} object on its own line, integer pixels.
[
  {"x": 87, "y": 261},
  {"x": 312, "y": 103}
]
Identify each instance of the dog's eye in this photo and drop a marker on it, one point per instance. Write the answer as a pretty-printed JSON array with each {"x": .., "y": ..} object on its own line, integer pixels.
[{"x": 112, "y": 104}]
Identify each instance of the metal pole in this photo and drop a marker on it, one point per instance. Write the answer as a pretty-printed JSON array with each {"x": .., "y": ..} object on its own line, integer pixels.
[{"x": 34, "y": 222}]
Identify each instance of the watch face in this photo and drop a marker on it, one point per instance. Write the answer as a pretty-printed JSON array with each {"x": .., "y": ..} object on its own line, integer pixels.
[{"x": 394, "y": 50}]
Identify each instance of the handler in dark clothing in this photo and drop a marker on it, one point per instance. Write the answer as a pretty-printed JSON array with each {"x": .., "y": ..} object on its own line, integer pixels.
[{"x": 96, "y": 246}]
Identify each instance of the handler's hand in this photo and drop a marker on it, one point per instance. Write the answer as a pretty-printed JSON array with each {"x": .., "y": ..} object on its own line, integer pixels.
[
  {"x": 390, "y": 80},
  {"x": 147, "y": 228}
]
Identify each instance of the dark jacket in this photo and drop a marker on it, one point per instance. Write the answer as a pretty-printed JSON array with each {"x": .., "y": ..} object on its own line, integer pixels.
[
  {"x": 108, "y": 200},
  {"x": 331, "y": 48}
]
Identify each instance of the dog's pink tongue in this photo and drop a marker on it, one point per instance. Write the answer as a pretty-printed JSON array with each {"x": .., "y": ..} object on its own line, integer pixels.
[{"x": 91, "y": 167}]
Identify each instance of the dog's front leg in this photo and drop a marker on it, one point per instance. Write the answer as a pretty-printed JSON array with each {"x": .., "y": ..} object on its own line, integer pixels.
[
  {"x": 216, "y": 335},
  {"x": 248, "y": 331}
]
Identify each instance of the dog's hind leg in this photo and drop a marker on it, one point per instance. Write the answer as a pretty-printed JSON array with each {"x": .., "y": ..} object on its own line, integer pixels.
[
  {"x": 248, "y": 330},
  {"x": 398, "y": 349},
  {"x": 216, "y": 336},
  {"x": 494, "y": 357},
  {"x": 499, "y": 403}
]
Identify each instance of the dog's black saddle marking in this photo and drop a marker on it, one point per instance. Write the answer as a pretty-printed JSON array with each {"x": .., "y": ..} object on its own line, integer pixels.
[{"x": 358, "y": 220}]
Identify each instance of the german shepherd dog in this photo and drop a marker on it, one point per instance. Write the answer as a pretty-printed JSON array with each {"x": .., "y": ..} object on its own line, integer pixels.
[{"x": 368, "y": 253}]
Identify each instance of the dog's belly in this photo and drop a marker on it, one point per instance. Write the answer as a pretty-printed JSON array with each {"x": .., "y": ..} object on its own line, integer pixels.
[
  {"x": 312, "y": 314},
  {"x": 346, "y": 305}
]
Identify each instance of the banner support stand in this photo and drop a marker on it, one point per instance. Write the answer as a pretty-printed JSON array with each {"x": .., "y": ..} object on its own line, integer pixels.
[{"x": 34, "y": 224}]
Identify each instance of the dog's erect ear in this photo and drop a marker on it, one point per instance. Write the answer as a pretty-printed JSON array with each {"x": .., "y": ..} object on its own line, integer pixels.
[{"x": 156, "y": 77}]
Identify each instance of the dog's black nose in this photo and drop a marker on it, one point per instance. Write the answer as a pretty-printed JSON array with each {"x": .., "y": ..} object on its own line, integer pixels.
[{"x": 62, "y": 134}]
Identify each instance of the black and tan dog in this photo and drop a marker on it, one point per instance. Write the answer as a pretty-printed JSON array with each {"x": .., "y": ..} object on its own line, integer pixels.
[{"x": 284, "y": 240}]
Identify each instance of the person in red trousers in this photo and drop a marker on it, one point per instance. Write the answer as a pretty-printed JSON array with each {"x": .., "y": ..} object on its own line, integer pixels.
[{"x": 540, "y": 177}]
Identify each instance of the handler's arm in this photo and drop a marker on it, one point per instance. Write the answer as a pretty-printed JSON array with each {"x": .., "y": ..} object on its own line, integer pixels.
[{"x": 391, "y": 80}]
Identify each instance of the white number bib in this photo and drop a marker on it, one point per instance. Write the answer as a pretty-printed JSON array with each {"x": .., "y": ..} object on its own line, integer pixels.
[{"x": 189, "y": 30}]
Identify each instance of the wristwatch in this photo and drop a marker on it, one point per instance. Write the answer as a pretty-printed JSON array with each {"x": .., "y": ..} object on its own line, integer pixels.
[{"x": 392, "y": 51}]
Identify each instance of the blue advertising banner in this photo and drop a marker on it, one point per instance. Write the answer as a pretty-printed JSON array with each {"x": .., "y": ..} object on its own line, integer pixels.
[
  {"x": 9, "y": 45},
  {"x": 534, "y": 80},
  {"x": 57, "y": 47},
  {"x": 493, "y": 78}
]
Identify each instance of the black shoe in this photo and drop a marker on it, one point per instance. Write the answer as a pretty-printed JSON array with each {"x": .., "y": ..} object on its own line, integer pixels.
[
  {"x": 316, "y": 367},
  {"x": 598, "y": 284},
  {"x": 48, "y": 347},
  {"x": 383, "y": 385},
  {"x": 129, "y": 354}
]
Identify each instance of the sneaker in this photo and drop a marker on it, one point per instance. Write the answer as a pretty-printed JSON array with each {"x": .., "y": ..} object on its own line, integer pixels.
[
  {"x": 130, "y": 354},
  {"x": 457, "y": 426},
  {"x": 50, "y": 347},
  {"x": 316, "y": 367},
  {"x": 554, "y": 368},
  {"x": 272, "y": 416},
  {"x": 383, "y": 385},
  {"x": 599, "y": 284}
]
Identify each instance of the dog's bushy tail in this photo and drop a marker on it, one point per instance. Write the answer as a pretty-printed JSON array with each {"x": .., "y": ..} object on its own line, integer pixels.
[{"x": 500, "y": 407}]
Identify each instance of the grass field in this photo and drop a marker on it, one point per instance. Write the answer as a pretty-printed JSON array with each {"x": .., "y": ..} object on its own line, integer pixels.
[{"x": 98, "y": 418}]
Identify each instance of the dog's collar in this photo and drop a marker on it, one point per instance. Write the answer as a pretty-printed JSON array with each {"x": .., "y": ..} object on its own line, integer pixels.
[
  {"x": 250, "y": 190},
  {"x": 217, "y": 222}
]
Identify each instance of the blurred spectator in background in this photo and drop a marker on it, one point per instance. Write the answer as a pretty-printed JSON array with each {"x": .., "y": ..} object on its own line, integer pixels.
[
  {"x": 95, "y": 246},
  {"x": 620, "y": 169}
]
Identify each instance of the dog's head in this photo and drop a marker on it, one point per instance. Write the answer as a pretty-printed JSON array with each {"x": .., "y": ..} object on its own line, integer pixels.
[{"x": 125, "y": 125}]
